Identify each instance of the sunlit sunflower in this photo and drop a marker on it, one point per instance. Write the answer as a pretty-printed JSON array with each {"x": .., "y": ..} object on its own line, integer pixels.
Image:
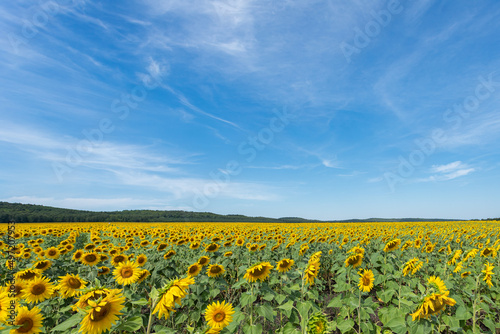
[
  {"x": 143, "y": 275},
  {"x": 194, "y": 269},
  {"x": 354, "y": 260},
  {"x": 357, "y": 250},
  {"x": 194, "y": 245},
  {"x": 18, "y": 289},
  {"x": 240, "y": 242},
  {"x": 412, "y": 266},
  {"x": 90, "y": 259},
  {"x": 312, "y": 271},
  {"x": 213, "y": 247},
  {"x": 432, "y": 305},
  {"x": 161, "y": 247},
  {"x": 29, "y": 320},
  {"x": 215, "y": 270},
  {"x": 203, "y": 261},
  {"x": 89, "y": 247},
  {"x": 488, "y": 273},
  {"x": 127, "y": 273},
  {"x": 437, "y": 283},
  {"x": 465, "y": 274},
  {"x": 169, "y": 254},
  {"x": 52, "y": 253},
  {"x": 392, "y": 245},
  {"x": 489, "y": 251},
  {"x": 117, "y": 259},
  {"x": 94, "y": 295},
  {"x": 172, "y": 294},
  {"x": 219, "y": 315},
  {"x": 284, "y": 265},
  {"x": 141, "y": 260},
  {"x": 258, "y": 271},
  {"x": 102, "y": 315},
  {"x": 366, "y": 279},
  {"x": 27, "y": 275},
  {"x": 71, "y": 285},
  {"x": 77, "y": 256},
  {"x": 4, "y": 306},
  {"x": 228, "y": 254},
  {"x": 103, "y": 270},
  {"x": 38, "y": 289},
  {"x": 42, "y": 265}
]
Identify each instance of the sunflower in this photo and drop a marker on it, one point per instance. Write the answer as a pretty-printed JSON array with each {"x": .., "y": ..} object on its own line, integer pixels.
[
  {"x": 52, "y": 253},
  {"x": 71, "y": 285},
  {"x": 29, "y": 320},
  {"x": 215, "y": 270},
  {"x": 127, "y": 273},
  {"x": 465, "y": 274},
  {"x": 253, "y": 247},
  {"x": 284, "y": 265},
  {"x": 27, "y": 275},
  {"x": 77, "y": 255},
  {"x": 213, "y": 247},
  {"x": 311, "y": 271},
  {"x": 412, "y": 266},
  {"x": 258, "y": 271},
  {"x": 4, "y": 306},
  {"x": 432, "y": 305},
  {"x": 143, "y": 275},
  {"x": 318, "y": 324},
  {"x": 240, "y": 242},
  {"x": 38, "y": 289},
  {"x": 90, "y": 259},
  {"x": 17, "y": 290},
  {"x": 366, "y": 279},
  {"x": 437, "y": 283},
  {"x": 172, "y": 294},
  {"x": 94, "y": 295},
  {"x": 489, "y": 251},
  {"x": 141, "y": 260},
  {"x": 354, "y": 260},
  {"x": 203, "y": 261},
  {"x": 103, "y": 270},
  {"x": 488, "y": 272},
  {"x": 89, "y": 247},
  {"x": 161, "y": 247},
  {"x": 194, "y": 245},
  {"x": 228, "y": 254},
  {"x": 169, "y": 254},
  {"x": 42, "y": 265},
  {"x": 219, "y": 315},
  {"x": 102, "y": 314},
  {"x": 194, "y": 269},
  {"x": 392, "y": 245},
  {"x": 117, "y": 259},
  {"x": 357, "y": 250}
]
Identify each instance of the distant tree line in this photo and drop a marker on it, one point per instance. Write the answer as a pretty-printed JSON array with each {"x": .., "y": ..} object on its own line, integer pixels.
[{"x": 30, "y": 213}]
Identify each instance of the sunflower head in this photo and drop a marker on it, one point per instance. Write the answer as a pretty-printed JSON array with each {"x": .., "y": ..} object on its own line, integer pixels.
[
  {"x": 194, "y": 269},
  {"x": 318, "y": 324},
  {"x": 215, "y": 270},
  {"x": 38, "y": 289},
  {"x": 127, "y": 273},
  {"x": 141, "y": 260},
  {"x": 203, "y": 261},
  {"x": 284, "y": 265},
  {"x": 29, "y": 320},
  {"x": 258, "y": 271},
  {"x": 219, "y": 315},
  {"x": 366, "y": 279},
  {"x": 354, "y": 260}
]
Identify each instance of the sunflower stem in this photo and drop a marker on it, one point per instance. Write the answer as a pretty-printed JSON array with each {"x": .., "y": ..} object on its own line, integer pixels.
[
  {"x": 150, "y": 322},
  {"x": 477, "y": 292},
  {"x": 359, "y": 312}
]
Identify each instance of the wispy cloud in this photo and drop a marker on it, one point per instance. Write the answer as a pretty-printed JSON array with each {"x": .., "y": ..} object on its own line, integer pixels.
[{"x": 449, "y": 171}]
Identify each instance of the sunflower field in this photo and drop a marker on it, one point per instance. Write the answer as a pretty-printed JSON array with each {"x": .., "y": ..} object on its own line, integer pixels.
[{"x": 95, "y": 278}]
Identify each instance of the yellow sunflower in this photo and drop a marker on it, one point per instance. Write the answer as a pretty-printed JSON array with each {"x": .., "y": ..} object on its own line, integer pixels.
[
  {"x": 366, "y": 279},
  {"x": 127, "y": 273},
  {"x": 90, "y": 258},
  {"x": 392, "y": 245},
  {"x": 215, "y": 270},
  {"x": 258, "y": 271},
  {"x": 42, "y": 265},
  {"x": 103, "y": 270},
  {"x": 141, "y": 260},
  {"x": 488, "y": 273},
  {"x": 203, "y": 261},
  {"x": 71, "y": 285},
  {"x": 38, "y": 289},
  {"x": 94, "y": 295},
  {"x": 143, "y": 275},
  {"x": 4, "y": 306},
  {"x": 194, "y": 269},
  {"x": 52, "y": 253},
  {"x": 284, "y": 265},
  {"x": 412, "y": 266},
  {"x": 27, "y": 275},
  {"x": 117, "y": 259},
  {"x": 77, "y": 255},
  {"x": 219, "y": 315},
  {"x": 102, "y": 315},
  {"x": 432, "y": 305},
  {"x": 311, "y": 271},
  {"x": 29, "y": 320},
  {"x": 169, "y": 254},
  {"x": 213, "y": 247},
  {"x": 172, "y": 294},
  {"x": 228, "y": 254},
  {"x": 354, "y": 260}
]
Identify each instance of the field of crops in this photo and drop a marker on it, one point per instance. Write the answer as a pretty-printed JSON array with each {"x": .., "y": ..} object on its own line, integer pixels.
[{"x": 250, "y": 278}]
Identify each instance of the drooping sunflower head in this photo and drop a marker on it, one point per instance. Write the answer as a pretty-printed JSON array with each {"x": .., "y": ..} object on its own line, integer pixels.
[
  {"x": 194, "y": 269},
  {"x": 169, "y": 254},
  {"x": 489, "y": 251},
  {"x": 213, "y": 247},
  {"x": 27, "y": 274},
  {"x": 437, "y": 283},
  {"x": 228, "y": 254},
  {"x": 143, "y": 275},
  {"x": 318, "y": 324},
  {"x": 102, "y": 315},
  {"x": 488, "y": 273},
  {"x": 42, "y": 265},
  {"x": 258, "y": 271},
  {"x": 103, "y": 270},
  {"x": 219, "y": 315},
  {"x": 127, "y": 273},
  {"x": 366, "y": 279},
  {"x": 194, "y": 245},
  {"x": 354, "y": 260},
  {"x": 284, "y": 265},
  {"x": 392, "y": 245},
  {"x": 215, "y": 270},
  {"x": 29, "y": 320}
]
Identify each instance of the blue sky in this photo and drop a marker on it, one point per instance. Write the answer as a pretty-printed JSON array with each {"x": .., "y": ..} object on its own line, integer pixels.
[{"x": 318, "y": 109}]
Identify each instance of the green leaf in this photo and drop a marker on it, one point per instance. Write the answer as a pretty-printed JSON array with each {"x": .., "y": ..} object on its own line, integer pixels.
[
  {"x": 490, "y": 324},
  {"x": 132, "y": 324},
  {"x": 280, "y": 298},
  {"x": 345, "y": 325},
  {"x": 72, "y": 321},
  {"x": 214, "y": 292},
  {"x": 266, "y": 311},
  {"x": 287, "y": 307},
  {"x": 268, "y": 297},
  {"x": 238, "y": 318},
  {"x": 387, "y": 295},
  {"x": 141, "y": 302},
  {"x": 246, "y": 299},
  {"x": 252, "y": 329},
  {"x": 335, "y": 302},
  {"x": 304, "y": 308},
  {"x": 462, "y": 313},
  {"x": 290, "y": 329}
]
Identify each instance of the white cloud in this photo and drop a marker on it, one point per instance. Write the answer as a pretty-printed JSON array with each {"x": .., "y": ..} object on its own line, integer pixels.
[{"x": 449, "y": 171}]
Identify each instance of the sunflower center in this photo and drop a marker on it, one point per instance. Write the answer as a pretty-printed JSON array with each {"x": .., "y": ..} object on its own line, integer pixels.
[
  {"x": 193, "y": 269},
  {"x": 74, "y": 283},
  {"x": 27, "y": 276},
  {"x": 366, "y": 280},
  {"x": 52, "y": 252},
  {"x": 40, "y": 265},
  {"x": 127, "y": 272},
  {"x": 98, "y": 316},
  {"x": 90, "y": 258},
  {"x": 119, "y": 258},
  {"x": 219, "y": 316},
  {"x": 284, "y": 264},
  {"x": 38, "y": 289},
  {"x": 258, "y": 272},
  {"x": 26, "y": 325},
  {"x": 215, "y": 270},
  {"x": 18, "y": 290},
  {"x": 211, "y": 247}
]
